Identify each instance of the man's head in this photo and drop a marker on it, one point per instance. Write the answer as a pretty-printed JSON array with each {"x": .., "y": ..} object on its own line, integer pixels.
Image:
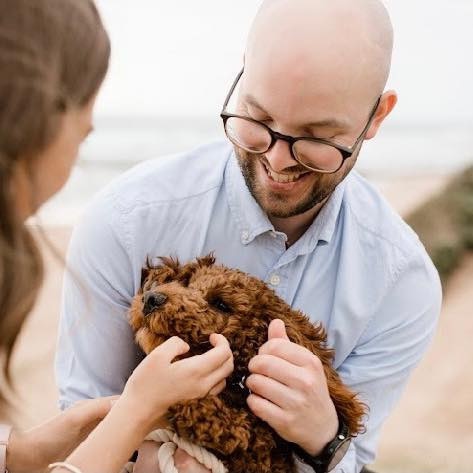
[{"x": 313, "y": 68}]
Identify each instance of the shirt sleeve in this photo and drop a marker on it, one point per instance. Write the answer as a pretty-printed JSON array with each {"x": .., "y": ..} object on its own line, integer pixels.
[
  {"x": 397, "y": 336},
  {"x": 96, "y": 352},
  {"x": 392, "y": 345}
]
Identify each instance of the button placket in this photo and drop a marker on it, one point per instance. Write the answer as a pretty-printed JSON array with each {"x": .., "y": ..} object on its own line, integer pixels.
[
  {"x": 245, "y": 236},
  {"x": 275, "y": 280}
]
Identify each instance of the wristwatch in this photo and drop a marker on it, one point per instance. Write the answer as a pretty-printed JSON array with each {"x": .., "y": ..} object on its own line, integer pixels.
[{"x": 332, "y": 453}]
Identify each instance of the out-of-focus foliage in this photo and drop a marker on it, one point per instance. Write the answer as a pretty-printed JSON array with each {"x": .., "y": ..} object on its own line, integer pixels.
[{"x": 445, "y": 223}]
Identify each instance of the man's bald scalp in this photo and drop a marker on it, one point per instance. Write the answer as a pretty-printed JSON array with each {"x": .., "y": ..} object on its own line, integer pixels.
[{"x": 356, "y": 33}]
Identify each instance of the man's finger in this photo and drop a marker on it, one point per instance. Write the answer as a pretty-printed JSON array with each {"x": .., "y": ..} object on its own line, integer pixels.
[
  {"x": 147, "y": 458},
  {"x": 277, "y": 329},
  {"x": 266, "y": 410},
  {"x": 276, "y": 368},
  {"x": 272, "y": 390},
  {"x": 187, "y": 464},
  {"x": 291, "y": 352}
]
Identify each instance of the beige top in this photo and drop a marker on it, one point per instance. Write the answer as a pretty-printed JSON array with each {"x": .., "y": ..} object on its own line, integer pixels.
[{"x": 5, "y": 431}]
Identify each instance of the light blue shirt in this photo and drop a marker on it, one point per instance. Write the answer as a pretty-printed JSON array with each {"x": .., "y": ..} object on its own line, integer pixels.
[{"x": 359, "y": 269}]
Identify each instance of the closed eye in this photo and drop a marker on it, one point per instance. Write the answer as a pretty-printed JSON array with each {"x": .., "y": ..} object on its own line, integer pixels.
[{"x": 221, "y": 306}]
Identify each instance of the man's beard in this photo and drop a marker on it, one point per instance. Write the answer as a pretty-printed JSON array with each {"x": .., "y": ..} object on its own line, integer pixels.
[{"x": 323, "y": 185}]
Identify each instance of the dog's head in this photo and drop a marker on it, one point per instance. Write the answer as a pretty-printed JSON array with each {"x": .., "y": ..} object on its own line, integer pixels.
[{"x": 195, "y": 300}]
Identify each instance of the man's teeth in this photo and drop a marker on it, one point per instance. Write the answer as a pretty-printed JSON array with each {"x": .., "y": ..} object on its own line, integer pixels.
[{"x": 283, "y": 178}]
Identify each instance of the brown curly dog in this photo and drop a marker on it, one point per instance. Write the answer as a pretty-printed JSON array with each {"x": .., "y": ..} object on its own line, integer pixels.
[{"x": 200, "y": 298}]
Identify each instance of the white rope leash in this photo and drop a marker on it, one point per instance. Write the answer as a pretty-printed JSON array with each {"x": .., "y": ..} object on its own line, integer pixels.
[{"x": 170, "y": 442}]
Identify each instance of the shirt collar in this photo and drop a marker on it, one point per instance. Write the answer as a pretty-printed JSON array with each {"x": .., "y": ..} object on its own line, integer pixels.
[
  {"x": 250, "y": 218},
  {"x": 252, "y": 221},
  {"x": 323, "y": 227}
]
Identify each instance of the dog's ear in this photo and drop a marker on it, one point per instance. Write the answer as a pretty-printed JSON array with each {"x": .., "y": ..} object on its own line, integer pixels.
[
  {"x": 186, "y": 272},
  {"x": 161, "y": 272},
  {"x": 145, "y": 271},
  {"x": 171, "y": 263},
  {"x": 208, "y": 260},
  {"x": 144, "y": 275}
]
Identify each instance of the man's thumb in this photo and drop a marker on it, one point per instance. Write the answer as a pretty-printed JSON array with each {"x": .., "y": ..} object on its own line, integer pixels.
[{"x": 277, "y": 329}]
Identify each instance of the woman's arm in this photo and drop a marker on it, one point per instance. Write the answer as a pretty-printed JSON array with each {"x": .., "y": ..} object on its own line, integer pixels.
[
  {"x": 33, "y": 450},
  {"x": 154, "y": 386}
]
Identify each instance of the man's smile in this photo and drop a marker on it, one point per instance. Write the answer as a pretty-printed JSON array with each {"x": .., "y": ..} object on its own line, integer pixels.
[{"x": 282, "y": 181}]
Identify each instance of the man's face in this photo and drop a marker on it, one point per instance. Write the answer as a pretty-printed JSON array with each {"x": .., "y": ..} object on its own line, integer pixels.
[
  {"x": 281, "y": 186},
  {"x": 284, "y": 200}
]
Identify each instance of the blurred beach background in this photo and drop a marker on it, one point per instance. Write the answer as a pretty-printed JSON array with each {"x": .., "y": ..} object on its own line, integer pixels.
[{"x": 172, "y": 65}]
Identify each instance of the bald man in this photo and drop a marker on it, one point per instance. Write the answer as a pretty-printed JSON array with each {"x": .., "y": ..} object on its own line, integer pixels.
[{"x": 279, "y": 200}]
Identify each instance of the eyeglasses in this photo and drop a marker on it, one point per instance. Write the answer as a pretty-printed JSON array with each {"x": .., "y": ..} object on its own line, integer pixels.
[{"x": 315, "y": 154}]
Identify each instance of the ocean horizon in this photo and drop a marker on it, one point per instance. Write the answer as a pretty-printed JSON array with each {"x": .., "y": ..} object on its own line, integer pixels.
[{"x": 119, "y": 143}]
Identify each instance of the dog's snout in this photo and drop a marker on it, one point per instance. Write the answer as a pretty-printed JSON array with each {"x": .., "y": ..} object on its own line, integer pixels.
[{"x": 152, "y": 301}]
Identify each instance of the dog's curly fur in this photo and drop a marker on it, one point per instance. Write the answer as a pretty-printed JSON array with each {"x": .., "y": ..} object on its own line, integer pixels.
[{"x": 201, "y": 298}]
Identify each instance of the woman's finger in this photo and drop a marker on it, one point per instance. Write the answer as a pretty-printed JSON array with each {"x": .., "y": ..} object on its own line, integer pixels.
[
  {"x": 90, "y": 410},
  {"x": 170, "y": 349},
  {"x": 220, "y": 374},
  {"x": 217, "y": 339},
  {"x": 202, "y": 365}
]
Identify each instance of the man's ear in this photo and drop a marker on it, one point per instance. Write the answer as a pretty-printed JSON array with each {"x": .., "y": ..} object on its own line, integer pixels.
[{"x": 386, "y": 105}]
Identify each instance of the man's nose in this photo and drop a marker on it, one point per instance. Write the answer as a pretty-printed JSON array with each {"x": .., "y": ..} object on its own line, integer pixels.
[
  {"x": 279, "y": 156},
  {"x": 152, "y": 301}
]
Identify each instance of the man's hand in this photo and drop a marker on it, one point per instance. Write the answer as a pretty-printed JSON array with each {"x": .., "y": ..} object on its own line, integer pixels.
[
  {"x": 290, "y": 393},
  {"x": 185, "y": 463}
]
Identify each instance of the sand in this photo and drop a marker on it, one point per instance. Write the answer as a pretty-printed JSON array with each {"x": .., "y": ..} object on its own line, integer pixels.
[{"x": 430, "y": 431}]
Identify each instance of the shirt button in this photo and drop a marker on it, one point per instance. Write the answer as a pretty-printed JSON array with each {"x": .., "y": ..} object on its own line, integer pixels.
[
  {"x": 245, "y": 236},
  {"x": 275, "y": 280}
]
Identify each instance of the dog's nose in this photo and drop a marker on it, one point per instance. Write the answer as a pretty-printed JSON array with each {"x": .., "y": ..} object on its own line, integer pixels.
[{"x": 152, "y": 301}]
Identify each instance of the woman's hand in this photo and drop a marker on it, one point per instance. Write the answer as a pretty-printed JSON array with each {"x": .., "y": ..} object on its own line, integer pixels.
[
  {"x": 159, "y": 382},
  {"x": 32, "y": 451},
  {"x": 156, "y": 384}
]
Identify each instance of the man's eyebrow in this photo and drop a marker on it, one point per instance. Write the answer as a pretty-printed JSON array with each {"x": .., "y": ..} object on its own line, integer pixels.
[
  {"x": 326, "y": 123},
  {"x": 329, "y": 123},
  {"x": 250, "y": 100}
]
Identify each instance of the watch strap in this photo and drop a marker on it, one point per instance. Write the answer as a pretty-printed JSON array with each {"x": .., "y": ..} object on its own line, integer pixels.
[
  {"x": 326, "y": 459},
  {"x": 5, "y": 431}
]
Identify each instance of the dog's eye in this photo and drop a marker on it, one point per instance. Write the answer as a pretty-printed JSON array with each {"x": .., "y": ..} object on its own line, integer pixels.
[
  {"x": 185, "y": 280},
  {"x": 221, "y": 306}
]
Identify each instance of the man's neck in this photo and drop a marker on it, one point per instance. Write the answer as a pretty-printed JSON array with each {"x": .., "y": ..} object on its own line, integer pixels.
[{"x": 295, "y": 227}]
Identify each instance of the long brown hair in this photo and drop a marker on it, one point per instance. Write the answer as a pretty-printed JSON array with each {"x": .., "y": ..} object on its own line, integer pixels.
[{"x": 54, "y": 55}]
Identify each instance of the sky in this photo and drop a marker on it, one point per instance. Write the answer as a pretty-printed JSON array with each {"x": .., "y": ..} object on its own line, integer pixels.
[{"x": 179, "y": 57}]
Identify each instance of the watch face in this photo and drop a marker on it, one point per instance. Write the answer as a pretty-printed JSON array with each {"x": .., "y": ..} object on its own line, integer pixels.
[{"x": 339, "y": 454}]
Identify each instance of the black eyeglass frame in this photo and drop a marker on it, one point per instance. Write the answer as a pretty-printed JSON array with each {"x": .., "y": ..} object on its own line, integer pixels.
[{"x": 345, "y": 151}]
